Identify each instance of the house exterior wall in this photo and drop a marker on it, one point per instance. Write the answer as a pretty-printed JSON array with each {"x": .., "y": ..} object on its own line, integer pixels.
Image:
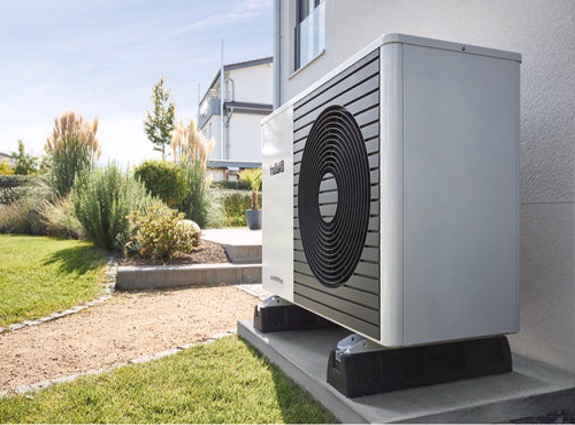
[
  {"x": 212, "y": 128},
  {"x": 253, "y": 84},
  {"x": 245, "y": 137},
  {"x": 543, "y": 32},
  {"x": 246, "y": 84}
]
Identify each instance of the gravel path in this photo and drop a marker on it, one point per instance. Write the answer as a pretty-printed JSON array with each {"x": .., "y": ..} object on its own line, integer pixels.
[{"x": 128, "y": 326}]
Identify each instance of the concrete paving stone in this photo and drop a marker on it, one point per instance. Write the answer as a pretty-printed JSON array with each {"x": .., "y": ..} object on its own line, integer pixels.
[
  {"x": 186, "y": 346},
  {"x": 165, "y": 353},
  {"x": 254, "y": 289},
  {"x": 22, "y": 389},
  {"x": 64, "y": 379},
  {"x": 220, "y": 335},
  {"x": 142, "y": 359},
  {"x": 16, "y": 326}
]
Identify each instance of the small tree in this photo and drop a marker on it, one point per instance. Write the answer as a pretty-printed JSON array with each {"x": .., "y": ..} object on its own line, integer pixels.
[
  {"x": 159, "y": 124},
  {"x": 252, "y": 176},
  {"x": 25, "y": 163}
]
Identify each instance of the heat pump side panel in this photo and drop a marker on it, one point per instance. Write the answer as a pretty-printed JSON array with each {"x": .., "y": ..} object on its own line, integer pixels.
[
  {"x": 391, "y": 195},
  {"x": 461, "y": 180},
  {"x": 277, "y": 186}
]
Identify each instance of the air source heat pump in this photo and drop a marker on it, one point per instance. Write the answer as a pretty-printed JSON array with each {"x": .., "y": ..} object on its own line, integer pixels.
[{"x": 391, "y": 193}]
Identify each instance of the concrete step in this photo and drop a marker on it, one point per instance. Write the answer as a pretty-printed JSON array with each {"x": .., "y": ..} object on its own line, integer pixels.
[
  {"x": 242, "y": 245},
  {"x": 155, "y": 277}
]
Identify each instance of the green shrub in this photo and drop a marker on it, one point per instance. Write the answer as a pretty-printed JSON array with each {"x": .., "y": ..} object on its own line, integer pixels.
[
  {"x": 21, "y": 217},
  {"x": 196, "y": 203},
  {"x": 216, "y": 216},
  {"x": 164, "y": 180},
  {"x": 162, "y": 234},
  {"x": 59, "y": 219},
  {"x": 22, "y": 213},
  {"x": 14, "y": 180},
  {"x": 102, "y": 200},
  {"x": 13, "y": 187},
  {"x": 71, "y": 149},
  {"x": 10, "y": 194},
  {"x": 234, "y": 204},
  {"x": 5, "y": 169},
  {"x": 191, "y": 151},
  {"x": 231, "y": 185}
]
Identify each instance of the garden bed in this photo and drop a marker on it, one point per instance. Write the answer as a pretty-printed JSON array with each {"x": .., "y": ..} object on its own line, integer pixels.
[{"x": 207, "y": 253}]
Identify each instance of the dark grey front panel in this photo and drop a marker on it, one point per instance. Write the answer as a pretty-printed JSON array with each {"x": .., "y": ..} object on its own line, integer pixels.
[{"x": 354, "y": 303}]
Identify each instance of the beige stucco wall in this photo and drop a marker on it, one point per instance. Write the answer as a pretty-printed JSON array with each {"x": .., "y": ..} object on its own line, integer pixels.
[{"x": 543, "y": 31}]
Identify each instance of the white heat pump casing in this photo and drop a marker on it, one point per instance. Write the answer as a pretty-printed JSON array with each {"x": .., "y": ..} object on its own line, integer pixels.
[{"x": 440, "y": 122}]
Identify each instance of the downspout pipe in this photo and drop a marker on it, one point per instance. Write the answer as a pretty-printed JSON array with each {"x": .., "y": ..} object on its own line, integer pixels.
[
  {"x": 222, "y": 100},
  {"x": 277, "y": 54}
]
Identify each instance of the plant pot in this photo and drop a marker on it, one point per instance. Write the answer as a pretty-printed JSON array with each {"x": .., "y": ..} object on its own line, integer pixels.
[{"x": 254, "y": 219}]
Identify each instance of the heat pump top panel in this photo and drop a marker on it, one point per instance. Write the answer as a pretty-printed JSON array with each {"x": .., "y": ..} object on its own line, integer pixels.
[{"x": 391, "y": 193}]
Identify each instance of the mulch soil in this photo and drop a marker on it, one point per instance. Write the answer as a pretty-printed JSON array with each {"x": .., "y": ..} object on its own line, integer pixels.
[{"x": 207, "y": 253}]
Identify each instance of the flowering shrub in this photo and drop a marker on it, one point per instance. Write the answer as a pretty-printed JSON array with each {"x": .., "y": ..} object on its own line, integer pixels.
[{"x": 162, "y": 234}]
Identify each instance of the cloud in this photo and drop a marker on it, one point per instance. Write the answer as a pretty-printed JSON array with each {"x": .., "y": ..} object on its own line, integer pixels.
[{"x": 242, "y": 11}]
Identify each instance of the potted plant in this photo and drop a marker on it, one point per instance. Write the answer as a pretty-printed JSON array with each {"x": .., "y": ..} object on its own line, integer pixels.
[{"x": 253, "y": 177}]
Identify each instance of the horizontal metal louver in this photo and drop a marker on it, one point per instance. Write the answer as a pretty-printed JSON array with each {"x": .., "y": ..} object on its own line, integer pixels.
[{"x": 336, "y": 198}]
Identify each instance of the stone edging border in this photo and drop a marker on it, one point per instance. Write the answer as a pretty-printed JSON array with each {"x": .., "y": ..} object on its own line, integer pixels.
[
  {"x": 112, "y": 268},
  {"x": 23, "y": 389}
]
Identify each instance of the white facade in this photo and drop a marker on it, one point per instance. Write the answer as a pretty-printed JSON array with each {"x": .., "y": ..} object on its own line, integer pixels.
[
  {"x": 247, "y": 99},
  {"x": 543, "y": 32}
]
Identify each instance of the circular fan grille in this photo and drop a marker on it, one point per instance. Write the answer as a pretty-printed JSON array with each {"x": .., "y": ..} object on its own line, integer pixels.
[{"x": 334, "y": 150}]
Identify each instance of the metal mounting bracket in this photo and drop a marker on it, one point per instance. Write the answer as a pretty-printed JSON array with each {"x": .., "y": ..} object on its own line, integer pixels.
[{"x": 354, "y": 344}]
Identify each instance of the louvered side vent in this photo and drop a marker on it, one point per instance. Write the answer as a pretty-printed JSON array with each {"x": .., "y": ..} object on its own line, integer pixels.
[{"x": 336, "y": 198}]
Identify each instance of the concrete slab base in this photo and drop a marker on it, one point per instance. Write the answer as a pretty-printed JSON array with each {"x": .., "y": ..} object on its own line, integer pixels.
[{"x": 532, "y": 389}]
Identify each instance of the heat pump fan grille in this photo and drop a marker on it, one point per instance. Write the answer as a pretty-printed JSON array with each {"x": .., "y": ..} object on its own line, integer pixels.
[
  {"x": 334, "y": 203},
  {"x": 336, "y": 198}
]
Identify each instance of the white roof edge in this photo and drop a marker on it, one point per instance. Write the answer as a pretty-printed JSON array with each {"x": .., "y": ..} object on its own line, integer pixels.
[{"x": 397, "y": 38}]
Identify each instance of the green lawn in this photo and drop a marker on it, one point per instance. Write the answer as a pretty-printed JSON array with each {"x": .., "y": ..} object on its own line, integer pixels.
[
  {"x": 39, "y": 276},
  {"x": 222, "y": 382}
]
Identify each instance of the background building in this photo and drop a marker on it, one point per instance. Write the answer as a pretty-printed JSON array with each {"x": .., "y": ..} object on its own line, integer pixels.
[
  {"x": 8, "y": 159},
  {"x": 247, "y": 98},
  {"x": 314, "y": 36}
]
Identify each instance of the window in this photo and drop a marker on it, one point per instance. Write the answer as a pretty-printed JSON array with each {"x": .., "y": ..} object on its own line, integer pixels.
[{"x": 309, "y": 30}]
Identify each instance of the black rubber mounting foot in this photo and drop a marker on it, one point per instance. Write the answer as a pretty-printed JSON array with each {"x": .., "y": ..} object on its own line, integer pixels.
[
  {"x": 389, "y": 370},
  {"x": 277, "y": 318}
]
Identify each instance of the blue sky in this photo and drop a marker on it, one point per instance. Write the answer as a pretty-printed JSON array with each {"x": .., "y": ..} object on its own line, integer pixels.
[{"x": 102, "y": 57}]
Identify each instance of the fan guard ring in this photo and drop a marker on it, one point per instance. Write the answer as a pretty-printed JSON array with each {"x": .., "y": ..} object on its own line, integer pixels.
[{"x": 334, "y": 146}]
